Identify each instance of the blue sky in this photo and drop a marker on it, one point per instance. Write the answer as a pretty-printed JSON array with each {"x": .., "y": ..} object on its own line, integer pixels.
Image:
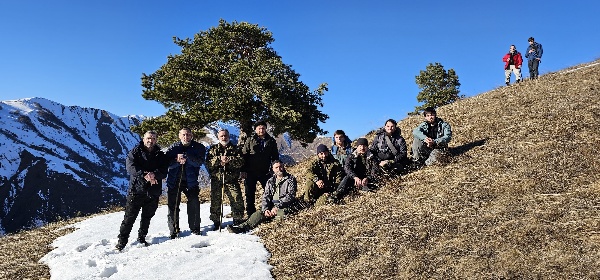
[{"x": 93, "y": 53}]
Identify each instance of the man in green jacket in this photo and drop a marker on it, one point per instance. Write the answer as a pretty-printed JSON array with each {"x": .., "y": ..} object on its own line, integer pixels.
[
  {"x": 224, "y": 161},
  {"x": 430, "y": 143},
  {"x": 325, "y": 174}
]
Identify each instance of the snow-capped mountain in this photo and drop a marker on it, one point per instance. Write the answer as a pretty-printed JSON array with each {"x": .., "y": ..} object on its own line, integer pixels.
[{"x": 59, "y": 161}]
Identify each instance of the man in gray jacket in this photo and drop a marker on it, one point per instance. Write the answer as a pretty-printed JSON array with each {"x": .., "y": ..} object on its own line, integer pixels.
[
  {"x": 430, "y": 143},
  {"x": 278, "y": 201}
]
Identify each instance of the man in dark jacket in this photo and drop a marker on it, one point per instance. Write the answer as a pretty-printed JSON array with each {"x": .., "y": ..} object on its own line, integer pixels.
[
  {"x": 185, "y": 159},
  {"x": 361, "y": 169},
  {"x": 147, "y": 168},
  {"x": 534, "y": 57},
  {"x": 430, "y": 143},
  {"x": 278, "y": 201},
  {"x": 258, "y": 152},
  {"x": 325, "y": 173},
  {"x": 389, "y": 148}
]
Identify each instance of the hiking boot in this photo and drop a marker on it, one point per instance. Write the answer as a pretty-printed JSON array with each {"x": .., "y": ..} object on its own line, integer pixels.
[
  {"x": 174, "y": 235},
  {"x": 507, "y": 83},
  {"x": 142, "y": 240},
  {"x": 196, "y": 232},
  {"x": 237, "y": 222},
  {"x": 119, "y": 247},
  {"x": 236, "y": 229}
]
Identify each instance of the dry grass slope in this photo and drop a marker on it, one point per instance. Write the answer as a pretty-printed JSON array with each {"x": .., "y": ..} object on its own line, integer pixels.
[{"x": 520, "y": 200}]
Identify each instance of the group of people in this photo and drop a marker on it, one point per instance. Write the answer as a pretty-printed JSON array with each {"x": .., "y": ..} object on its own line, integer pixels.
[
  {"x": 513, "y": 61},
  {"x": 334, "y": 173}
]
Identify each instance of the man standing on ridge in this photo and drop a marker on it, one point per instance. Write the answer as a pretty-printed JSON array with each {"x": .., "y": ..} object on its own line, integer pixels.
[
  {"x": 534, "y": 57},
  {"x": 185, "y": 159},
  {"x": 147, "y": 167},
  {"x": 258, "y": 151},
  {"x": 512, "y": 63},
  {"x": 431, "y": 137},
  {"x": 224, "y": 161}
]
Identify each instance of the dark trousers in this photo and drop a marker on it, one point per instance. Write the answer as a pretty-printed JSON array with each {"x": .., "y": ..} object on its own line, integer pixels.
[
  {"x": 347, "y": 186},
  {"x": 193, "y": 208},
  {"x": 250, "y": 190},
  {"x": 533, "y": 68},
  {"x": 135, "y": 203}
]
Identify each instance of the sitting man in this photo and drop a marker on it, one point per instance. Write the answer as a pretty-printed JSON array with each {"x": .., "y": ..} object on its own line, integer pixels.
[
  {"x": 325, "y": 175},
  {"x": 389, "y": 148},
  {"x": 341, "y": 146},
  {"x": 361, "y": 172},
  {"x": 430, "y": 144},
  {"x": 278, "y": 201}
]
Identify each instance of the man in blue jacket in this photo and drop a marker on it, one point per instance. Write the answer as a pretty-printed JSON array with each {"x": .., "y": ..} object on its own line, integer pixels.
[
  {"x": 534, "y": 57},
  {"x": 147, "y": 167},
  {"x": 185, "y": 159},
  {"x": 430, "y": 143}
]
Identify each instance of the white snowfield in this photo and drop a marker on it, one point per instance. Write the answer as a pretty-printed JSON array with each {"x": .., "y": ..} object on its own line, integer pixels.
[{"x": 88, "y": 252}]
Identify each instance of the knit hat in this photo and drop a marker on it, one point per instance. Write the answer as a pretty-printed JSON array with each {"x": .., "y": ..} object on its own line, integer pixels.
[
  {"x": 322, "y": 148},
  {"x": 362, "y": 141},
  {"x": 261, "y": 122}
]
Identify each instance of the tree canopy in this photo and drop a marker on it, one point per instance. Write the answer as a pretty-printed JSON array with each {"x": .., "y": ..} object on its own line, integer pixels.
[
  {"x": 438, "y": 87},
  {"x": 230, "y": 73}
]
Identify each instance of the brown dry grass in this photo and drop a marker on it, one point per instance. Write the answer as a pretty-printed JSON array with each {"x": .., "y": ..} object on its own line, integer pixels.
[{"x": 519, "y": 200}]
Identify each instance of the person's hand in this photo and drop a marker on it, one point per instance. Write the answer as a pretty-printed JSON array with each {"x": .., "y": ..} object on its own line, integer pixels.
[
  {"x": 364, "y": 182},
  {"x": 320, "y": 184},
  {"x": 357, "y": 182},
  {"x": 150, "y": 177},
  {"x": 382, "y": 163},
  {"x": 224, "y": 160},
  {"x": 430, "y": 142},
  {"x": 181, "y": 158}
]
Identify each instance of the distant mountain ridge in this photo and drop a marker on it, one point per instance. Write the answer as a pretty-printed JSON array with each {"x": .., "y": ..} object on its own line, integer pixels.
[{"x": 58, "y": 161}]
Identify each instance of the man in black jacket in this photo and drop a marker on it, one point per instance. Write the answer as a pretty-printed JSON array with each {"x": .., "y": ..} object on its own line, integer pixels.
[
  {"x": 389, "y": 148},
  {"x": 147, "y": 168},
  {"x": 361, "y": 169},
  {"x": 259, "y": 151}
]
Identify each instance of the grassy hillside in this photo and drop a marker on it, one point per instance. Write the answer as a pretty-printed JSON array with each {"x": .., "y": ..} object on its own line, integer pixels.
[{"x": 520, "y": 199}]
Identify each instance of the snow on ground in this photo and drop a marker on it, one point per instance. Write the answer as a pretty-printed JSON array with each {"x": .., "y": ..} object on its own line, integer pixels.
[{"x": 88, "y": 252}]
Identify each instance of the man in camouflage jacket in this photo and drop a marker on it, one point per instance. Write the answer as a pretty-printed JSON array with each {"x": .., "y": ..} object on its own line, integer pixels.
[
  {"x": 225, "y": 159},
  {"x": 325, "y": 174}
]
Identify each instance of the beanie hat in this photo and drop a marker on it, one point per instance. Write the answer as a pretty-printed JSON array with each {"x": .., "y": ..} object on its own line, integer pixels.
[
  {"x": 259, "y": 123},
  {"x": 322, "y": 148},
  {"x": 362, "y": 141}
]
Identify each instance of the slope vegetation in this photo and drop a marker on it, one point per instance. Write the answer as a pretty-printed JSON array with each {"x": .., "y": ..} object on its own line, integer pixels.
[{"x": 520, "y": 199}]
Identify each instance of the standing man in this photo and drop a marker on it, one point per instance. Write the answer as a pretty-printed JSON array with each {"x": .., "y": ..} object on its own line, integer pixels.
[
  {"x": 278, "y": 201},
  {"x": 325, "y": 174},
  {"x": 534, "y": 57},
  {"x": 512, "y": 63},
  {"x": 258, "y": 151},
  {"x": 147, "y": 167},
  {"x": 361, "y": 169},
  {"x": 185, "y": 158},
  {"x": 431, "y": 138},
  {"x": 224, "y": 161},
  {"x": 389, "y": 148},
  {"x": 342, "y": 146}
]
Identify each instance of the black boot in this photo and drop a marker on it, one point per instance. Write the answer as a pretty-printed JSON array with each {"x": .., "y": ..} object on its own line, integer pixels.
[
  {"x": 236, "y": 229},
  {"x": 142, "y": 240}
]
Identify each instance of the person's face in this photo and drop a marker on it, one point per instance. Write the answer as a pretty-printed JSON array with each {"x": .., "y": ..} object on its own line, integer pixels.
[
  {"x": 339, "y": 139},
  {"x": 149, "y": 140},
  {"x": 530, "y": 42},
  {"x": 261, "y": 130},
  {"x": 513, "y": 49},
  {"x": 185, "y": 136},
  {"x": 322, "y": 155},
  {"x": 361, "y": 149},
  {"x": 223, "y": 137},
  {"x": 278, "y": 168},
  {"x": 389, "y": 127},
  {"x": 429, "y": 117}
]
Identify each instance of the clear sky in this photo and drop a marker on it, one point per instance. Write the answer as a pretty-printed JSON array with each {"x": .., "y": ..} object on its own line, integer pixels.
[{"x": 93, "y": 53}]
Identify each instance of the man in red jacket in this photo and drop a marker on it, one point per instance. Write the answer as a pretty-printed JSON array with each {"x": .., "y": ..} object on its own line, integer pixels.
[{"x": 513, "y": 62}]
